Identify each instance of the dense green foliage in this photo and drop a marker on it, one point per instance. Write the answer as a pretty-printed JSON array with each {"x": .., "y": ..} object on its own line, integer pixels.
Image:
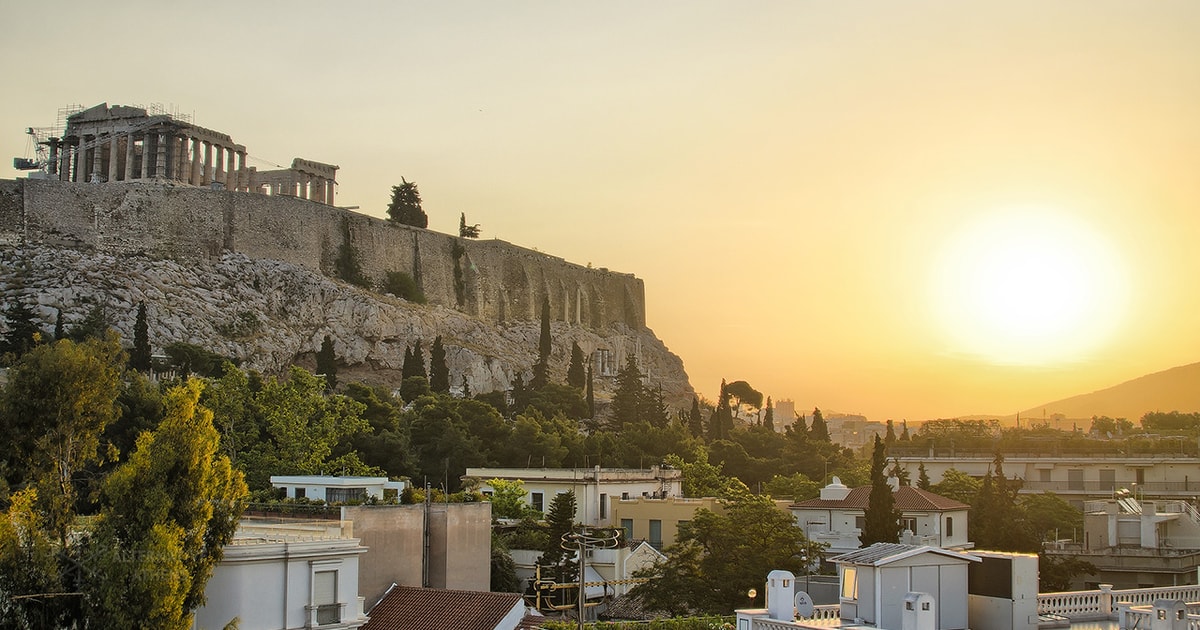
[
  {"x": 718, "y": 557},
  {"x": 881, "y": 522},
  {"x": 327, "y": 362},
  {"x": 139, "y": 356},
  {"x": 405, "y": 206},
  {"x": 402, "y": 285},
  {"x": 159, "y": 512}
]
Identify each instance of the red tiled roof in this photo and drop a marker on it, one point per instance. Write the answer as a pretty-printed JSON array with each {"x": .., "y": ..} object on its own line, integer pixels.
[
  {"x": 412, "y": 608},
  {"x": 908, "y": 499}
]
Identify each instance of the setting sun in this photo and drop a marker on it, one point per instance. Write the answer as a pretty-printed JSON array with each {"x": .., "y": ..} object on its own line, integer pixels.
[{"x": 1028, "y": 286}]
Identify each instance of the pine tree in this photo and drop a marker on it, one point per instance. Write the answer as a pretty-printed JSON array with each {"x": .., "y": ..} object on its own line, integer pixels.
[
  {"x": 818, "y": 431},
  {"x": 769, "y": 418},
  {"x": 439, "y": 372},
  {"x": 405, "y": 207},
  {"x": 327, "y": 363},
  {"x": 881, "y": 519},
  {"x": 467, "y": 231},
  {"x": 139, "y": 357},
  {"x": 23, "y": 332},
  {"x": 575, "y": 373},
  {"x": 519, "y": 393},
  {"x": 541, "y": 369}
]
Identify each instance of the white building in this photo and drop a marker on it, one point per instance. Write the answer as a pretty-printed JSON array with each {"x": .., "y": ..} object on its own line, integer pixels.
[
  {"x": 335, "y": 489},
  {"x": 281, "y": 575},
  {"x": 837, "y": 517},
  {"x": 595, "y": 488}
]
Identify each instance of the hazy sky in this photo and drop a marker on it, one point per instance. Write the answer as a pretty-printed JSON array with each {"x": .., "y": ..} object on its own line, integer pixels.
[{"x": 901, "y": 209}]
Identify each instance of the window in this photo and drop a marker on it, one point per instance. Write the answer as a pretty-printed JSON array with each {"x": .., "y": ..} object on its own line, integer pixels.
[
  {"x": 1075, "y": 479},
  {"x": 949, "y": 526},
  {"x": 624, "y": 496},
  {"x": 324, "y": 597},
  {"x": 1044, "y": 475},
  {"x": 603, "y": 506},
  {"x": 1141, "y": 476},
  {"x": 1108, "y": 479},
  {"x": 627, "y": 525},
  {"x": 300, "y": 493},
  {"x": 909, "y": 524},
  {"x": 345, "y": 495},
  {"x": 849, "y": 583},
  {"x": 860, "y": 522},
  {"x": 656, "y": 533},
  {"x": 536, "y": 500}
]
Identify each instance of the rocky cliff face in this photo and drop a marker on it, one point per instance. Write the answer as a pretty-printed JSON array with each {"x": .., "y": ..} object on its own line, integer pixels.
[{"x": 272, "y": 314}]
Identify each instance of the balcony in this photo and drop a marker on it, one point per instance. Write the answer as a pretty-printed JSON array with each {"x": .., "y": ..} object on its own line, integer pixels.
[{"x": 324, "y": 615}]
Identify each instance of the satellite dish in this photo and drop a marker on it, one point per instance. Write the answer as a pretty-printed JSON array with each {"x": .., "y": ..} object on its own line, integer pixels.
[{"x": 804, "y": 604}]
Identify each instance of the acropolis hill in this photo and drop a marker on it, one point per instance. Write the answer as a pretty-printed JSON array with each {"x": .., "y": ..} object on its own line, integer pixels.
[{"x": 250, "y": 275}]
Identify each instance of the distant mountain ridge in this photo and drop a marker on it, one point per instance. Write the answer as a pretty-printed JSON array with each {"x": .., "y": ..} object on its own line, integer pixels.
[{"x": 1176, "y": 389}]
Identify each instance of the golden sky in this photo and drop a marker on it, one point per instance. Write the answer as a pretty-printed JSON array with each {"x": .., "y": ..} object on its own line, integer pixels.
[{"x": 900, "y": 209}]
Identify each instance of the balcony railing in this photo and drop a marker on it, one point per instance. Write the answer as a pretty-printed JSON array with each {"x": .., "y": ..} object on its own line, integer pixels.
[{"x": 324, "y": 614}]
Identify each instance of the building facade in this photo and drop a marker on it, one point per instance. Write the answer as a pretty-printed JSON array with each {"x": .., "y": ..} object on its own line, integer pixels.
[
  {"x": 595, "y": 488},
  {"x": 279, "y": 574},
  {"x": 337, "y": 489},
  {"x": 121, "y": 143},
  {"x": 836, "y": 517}
]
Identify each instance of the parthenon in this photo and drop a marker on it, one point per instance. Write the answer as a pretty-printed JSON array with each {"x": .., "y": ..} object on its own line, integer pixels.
[{"x": 124, "y": 144}]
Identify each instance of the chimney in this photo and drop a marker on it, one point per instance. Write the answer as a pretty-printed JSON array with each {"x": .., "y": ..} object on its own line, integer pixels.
[
  {"x": 781, "y": 595},
  {"x": 835, "y": 491}
]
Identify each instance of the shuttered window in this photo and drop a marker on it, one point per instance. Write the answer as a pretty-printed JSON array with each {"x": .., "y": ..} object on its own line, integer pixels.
[{"x": 325, "y": 597}]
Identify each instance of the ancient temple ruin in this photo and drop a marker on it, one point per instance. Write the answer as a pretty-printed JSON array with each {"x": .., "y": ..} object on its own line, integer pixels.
[{"x": 126, "y": 144}]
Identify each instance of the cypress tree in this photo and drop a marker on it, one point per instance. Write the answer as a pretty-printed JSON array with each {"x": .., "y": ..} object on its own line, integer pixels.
[
  {"x": 541, "y": 369},
  {"x": 922, "y": 477},
  {"x": 139, "y": 357},
  {"x": 327, "y": 363},
  {"x": 818, "y": 431},
  {"x": 881, "y": 519},
  {"x": 591, "y": 397},
  {"x": 439, "y": 372},
  {"x": 695, "y": 420},
  {"x": 575, "y": 373},
  {"x": 890, "y": 438},
  {"x": 59, "y": 333},
  {"x": 629, "y": 399},
  {"x": 769, "y": 417}
]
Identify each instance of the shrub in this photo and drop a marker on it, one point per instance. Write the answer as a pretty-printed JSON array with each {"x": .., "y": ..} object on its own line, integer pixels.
[{"x": 403, "y": 286}]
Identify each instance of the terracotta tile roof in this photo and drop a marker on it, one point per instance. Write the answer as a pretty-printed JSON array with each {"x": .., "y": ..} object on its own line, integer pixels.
[
  {"x": 412, "y": 608},
  {"x": 908, "y": 499}
]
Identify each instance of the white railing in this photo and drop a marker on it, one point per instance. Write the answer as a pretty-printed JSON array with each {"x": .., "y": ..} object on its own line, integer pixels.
[
  {"x": 1132, "y": 607},
  {"x": 1142, "y": 617}
]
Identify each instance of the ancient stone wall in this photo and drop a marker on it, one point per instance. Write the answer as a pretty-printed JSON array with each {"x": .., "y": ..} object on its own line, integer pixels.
[{"x": 498, "y": 281}]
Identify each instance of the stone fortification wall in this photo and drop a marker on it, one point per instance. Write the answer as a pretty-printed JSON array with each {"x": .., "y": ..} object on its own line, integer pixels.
[{"x": 497, "y": 281}]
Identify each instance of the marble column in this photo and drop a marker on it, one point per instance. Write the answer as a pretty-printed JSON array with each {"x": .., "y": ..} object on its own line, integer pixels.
[
  {"x": 329, "y": 191},
  {"x": 194, "y": 178},
  {"x": 64, "y": 162},
  {"x": 114, "y": 160},
  {"x": 52, "y": 163},
  {"x": 206, "y": 168},
  {"x": 181, "y": 162},
  {"x": 160, "y": 153},
  {"x": 97, "y": 154},
  {"x": 147, "y": 147},
  {"x": 243, "y": 173},
  {"x": 219, "y": 164},
  {"x": 231, "y": 171},
  {"x": 129, "y": 152}
]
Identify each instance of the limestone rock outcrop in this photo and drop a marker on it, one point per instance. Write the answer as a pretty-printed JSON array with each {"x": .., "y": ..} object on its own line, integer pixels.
[{"x": 271, "y": 314}]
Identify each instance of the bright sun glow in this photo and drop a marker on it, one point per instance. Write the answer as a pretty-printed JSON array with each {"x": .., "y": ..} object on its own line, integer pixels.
[{"x": 1028, "y": 286}]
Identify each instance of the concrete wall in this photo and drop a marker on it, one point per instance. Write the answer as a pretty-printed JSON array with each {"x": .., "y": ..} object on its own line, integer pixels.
[
  {"x": 500, "y": 281},
  {"x": 459, "y": 540}
]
